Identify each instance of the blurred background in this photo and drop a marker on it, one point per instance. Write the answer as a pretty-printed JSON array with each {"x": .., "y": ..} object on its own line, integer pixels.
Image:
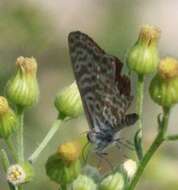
[{"x": 40, "y": 29}]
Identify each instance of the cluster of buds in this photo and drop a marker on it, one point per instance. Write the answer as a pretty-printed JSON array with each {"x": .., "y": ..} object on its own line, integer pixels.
[
  {"x": 143, "y": 58},
  {"x": 114, "y": 181}
]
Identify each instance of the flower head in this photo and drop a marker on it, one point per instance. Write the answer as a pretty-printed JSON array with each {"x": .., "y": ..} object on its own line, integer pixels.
[
  {"x": 129, "y": 167},
  {"x": 61, "y": 171},
  {"x": 143, "y": 57},
  {"x": 164, "y": 85},
  {"x": 19, "y": 174},
  {"x": 22, "y": 89},
  {"x": 27, "y": 65},
  {"x": 112, "y": 182},
  {"x": 69, "y": 151},
  {"x": 149, "y": 34},
  {"x": 168, "y": 68},
  {"x": 83, "y": 183},
  {"x": 68, "y": 102}
]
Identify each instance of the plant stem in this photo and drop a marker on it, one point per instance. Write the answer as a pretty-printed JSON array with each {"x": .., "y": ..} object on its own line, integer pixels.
[
  {"x": 171, "y": 137},
  {"x": 11, "y": 148},
  {"x": 155, "y": 145},
  {"x": 6, "y": 164},
  {"x": 4, "y": 160},
  {"x": 139, "y": 110},
  {"x": 45, "y": 141},
  {"x": 20, "y": 140}
]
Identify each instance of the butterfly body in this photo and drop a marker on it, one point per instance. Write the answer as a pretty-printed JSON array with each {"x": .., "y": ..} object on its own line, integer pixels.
[{"x": 104, "y": 91}]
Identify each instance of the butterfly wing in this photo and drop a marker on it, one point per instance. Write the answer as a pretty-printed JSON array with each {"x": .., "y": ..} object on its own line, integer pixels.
[{"x": 105, "y": 93}]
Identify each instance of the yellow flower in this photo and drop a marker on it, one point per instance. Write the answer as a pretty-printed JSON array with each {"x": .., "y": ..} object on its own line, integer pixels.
[
  {"x": 69, "y": 151},
  {"x": 168, "y": 68}
]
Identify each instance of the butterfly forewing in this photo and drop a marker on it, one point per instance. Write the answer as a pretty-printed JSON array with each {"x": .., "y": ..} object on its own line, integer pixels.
[{"x": 104, "y": 91}]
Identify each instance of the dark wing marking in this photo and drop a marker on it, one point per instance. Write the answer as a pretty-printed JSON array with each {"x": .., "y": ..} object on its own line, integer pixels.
[{"x": 105, "y": 93}]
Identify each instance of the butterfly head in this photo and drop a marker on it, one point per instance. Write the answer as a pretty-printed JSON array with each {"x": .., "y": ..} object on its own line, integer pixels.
[{"x": 101, "y": 140}]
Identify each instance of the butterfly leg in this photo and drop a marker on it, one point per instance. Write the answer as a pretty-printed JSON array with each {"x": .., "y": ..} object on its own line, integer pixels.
[{"x": 85, "y": 153}]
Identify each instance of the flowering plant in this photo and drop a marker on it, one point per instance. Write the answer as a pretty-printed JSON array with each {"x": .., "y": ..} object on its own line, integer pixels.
[{"x": 67, "y": 166}]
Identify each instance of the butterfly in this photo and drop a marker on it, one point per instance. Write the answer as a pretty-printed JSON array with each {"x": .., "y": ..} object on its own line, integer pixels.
[{"x": 105, "y": 93}]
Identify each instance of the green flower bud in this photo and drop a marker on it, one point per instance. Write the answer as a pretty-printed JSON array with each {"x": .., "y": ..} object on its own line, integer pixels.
[
  {"x": 143, "y": 57},
  {"x": 112, "y": 182},
  {"x": 164, "y": 86},
  {"x": 61, "y": 171},
  {"x": 83, "y": 183},
  {"x": 68, "y": 102},
  {"x": 8, "y": 119},
  {"x": 20, "y": 173},
  {"x": 22, "y": 89}
]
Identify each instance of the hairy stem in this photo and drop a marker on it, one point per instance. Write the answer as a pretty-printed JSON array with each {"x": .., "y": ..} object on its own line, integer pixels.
[
  {"x": 20, "y": 140},
  {"x": 139, "y": 110},
  {"x": 153, "y": 148},
  {"x": 11, "y": 148},
  {"x": 45, "y": 141}
]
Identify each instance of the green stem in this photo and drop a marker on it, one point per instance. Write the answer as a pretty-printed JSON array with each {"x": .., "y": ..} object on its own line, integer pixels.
[
  {"x": 6, "y": 164},
  {"x": 63, "y": 187},
  {"x": 171, "y": 138},
  {"x": 11, "y": 148},
  {"x": 45, "y": 141},
  {"x": 139, "y": 110},
  {"x": 153, "y": 148},
  {"x": 20, "y": 140},
  {"x": 4, "y": 160}
]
